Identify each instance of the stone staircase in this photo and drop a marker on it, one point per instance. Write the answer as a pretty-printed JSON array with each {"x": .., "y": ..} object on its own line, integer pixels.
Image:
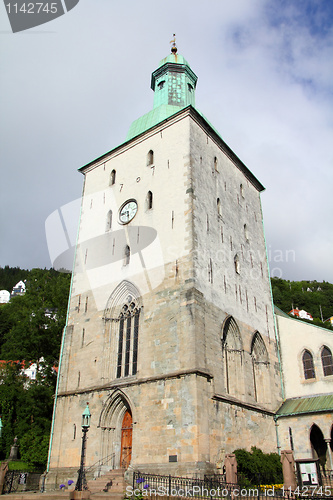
[{"x": 111, "y": 485}]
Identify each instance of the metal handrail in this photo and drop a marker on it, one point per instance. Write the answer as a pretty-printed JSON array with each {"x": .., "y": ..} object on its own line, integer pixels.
[
  {"x": 102, "y": 462},
  {"x": 123, "y": 463}
]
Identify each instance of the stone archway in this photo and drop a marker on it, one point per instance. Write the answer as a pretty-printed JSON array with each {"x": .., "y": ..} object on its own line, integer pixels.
[
  {"x": 318, "y": 445},
  {"x": 116, "y": 424}
]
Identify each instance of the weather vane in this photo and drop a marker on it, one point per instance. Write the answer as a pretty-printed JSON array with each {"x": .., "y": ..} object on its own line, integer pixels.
[{"x": 174, "y": 47}]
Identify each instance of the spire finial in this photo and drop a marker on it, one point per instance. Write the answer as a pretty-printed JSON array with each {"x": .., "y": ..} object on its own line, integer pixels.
[{"x": 174, "y": 47}]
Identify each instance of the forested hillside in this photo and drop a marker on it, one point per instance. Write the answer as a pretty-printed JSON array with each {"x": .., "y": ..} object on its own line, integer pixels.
[
  {"x": 314, "y": 297},
  {"x": 31, "y": 328}
]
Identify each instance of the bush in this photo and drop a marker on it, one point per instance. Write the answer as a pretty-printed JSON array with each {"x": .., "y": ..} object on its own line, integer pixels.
[{"x": 255, "y": 467}]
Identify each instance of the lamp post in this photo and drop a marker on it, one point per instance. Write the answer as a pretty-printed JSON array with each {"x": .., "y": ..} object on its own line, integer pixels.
[
  {"x": 1, "y": 426},
  {"x": 81, "y": 483}
]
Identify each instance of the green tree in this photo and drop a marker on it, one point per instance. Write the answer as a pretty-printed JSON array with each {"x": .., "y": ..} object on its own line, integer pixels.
[
  {"x": 31, "y": 327},
  {"x": 34, "y": 322}
]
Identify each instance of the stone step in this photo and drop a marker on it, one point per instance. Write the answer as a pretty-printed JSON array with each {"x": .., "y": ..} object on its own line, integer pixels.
[
  {"x": 110, "y": 482},
  {"x": 107, "y": 496}
]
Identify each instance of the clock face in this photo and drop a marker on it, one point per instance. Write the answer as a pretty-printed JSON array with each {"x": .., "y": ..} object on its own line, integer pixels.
[{"x": 128, "y": 211}]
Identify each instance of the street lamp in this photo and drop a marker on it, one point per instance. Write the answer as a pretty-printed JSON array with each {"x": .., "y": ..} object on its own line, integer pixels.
[{"x": 81, "y": 483}]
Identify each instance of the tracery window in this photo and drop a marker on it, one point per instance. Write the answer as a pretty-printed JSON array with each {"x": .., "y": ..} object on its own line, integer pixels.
[
  {"x": 127, "y": 359},
  {"x": 260, "y": 367},
  {"x": 232, "y": 349},
  {"x": 327, "y": 362},
  {"x": 308, "y": 365}
]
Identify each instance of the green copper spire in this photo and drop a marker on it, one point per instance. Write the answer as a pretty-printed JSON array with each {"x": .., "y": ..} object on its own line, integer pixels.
[
  {"x": 174, "y": 82},
  {"x": 174, "y": 85}
]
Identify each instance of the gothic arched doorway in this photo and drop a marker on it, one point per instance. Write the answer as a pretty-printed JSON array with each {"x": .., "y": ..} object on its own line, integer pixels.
[
  {"x": 126, "y": 440},
  {"x": 116, "y": 424}
]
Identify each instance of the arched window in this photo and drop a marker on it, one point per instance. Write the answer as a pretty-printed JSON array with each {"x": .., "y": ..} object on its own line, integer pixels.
[
  {"x": 260, "y": 366},
  {"x": 127, "y": 255},
  {"x": 161, "y": 85},
  {"x": 232, "y": 349},
  {"x": 149, "y": 200},
  {"x": 218, "y": 205},
  {"x": 237, "y": 264},
  {"x": 109, "y": 221},
  {"x": 241, "y": 190},
  {"x": 121, "y": 339},
  {"x": 308, "y": 365},
  {"x": 112, "y": 177},
  {"x": 326, "y": 359},
  {"x": 127, "y": 358},
  {"x": 216, "y": 167},
  {"x": 150, "y": 158}
]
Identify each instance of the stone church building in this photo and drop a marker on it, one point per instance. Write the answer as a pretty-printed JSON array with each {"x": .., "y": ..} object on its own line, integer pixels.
[{"x": 170, "y": 335}]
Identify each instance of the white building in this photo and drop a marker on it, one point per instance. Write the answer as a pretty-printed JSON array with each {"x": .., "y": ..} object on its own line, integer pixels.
[{"x": 4, "y": 296}]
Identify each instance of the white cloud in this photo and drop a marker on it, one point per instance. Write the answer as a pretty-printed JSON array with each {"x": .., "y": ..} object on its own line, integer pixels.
[{"x": 71, "y": 89}]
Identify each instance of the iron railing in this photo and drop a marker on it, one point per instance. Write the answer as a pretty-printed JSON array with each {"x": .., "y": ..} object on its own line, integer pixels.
[
  {"x": 17, "y": 480},
  {"x": 214, "y": 487}
]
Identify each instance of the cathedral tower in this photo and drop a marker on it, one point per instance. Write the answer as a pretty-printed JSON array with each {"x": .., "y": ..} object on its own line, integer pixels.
[{"x": 170, "y": 334}]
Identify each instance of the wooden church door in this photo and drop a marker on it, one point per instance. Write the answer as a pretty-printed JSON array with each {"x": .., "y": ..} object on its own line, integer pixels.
[{"x": 126, "y": 440}]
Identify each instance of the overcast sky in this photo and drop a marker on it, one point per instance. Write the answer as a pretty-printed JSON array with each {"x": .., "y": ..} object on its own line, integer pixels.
[{"x": 71, "y": 88}]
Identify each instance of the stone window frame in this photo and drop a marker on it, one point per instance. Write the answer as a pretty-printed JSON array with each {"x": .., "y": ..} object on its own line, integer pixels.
[{"x": 308, "y": 365}]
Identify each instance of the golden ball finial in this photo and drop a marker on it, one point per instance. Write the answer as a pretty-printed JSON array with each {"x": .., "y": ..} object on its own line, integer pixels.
[{"x": 174, "y": 47}]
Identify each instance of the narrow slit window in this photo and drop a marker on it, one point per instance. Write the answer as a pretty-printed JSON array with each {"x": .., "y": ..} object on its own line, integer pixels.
[
  {"x": 109, "y": 220},
  {"x": 112, "y": 178},
  {"x": 237, "y": 264},
  {"x": 127, "y": 255},
  {"x": 218, "y": 204},
  {"x": 149, "y": 200},
  {"x": 246, "y": 232},
  {"x": 135, "y": 343},
  {"x": 120, "y": 347},
  {"x": 128, "y": 346},
  {"x": 150, "y": 158}
]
